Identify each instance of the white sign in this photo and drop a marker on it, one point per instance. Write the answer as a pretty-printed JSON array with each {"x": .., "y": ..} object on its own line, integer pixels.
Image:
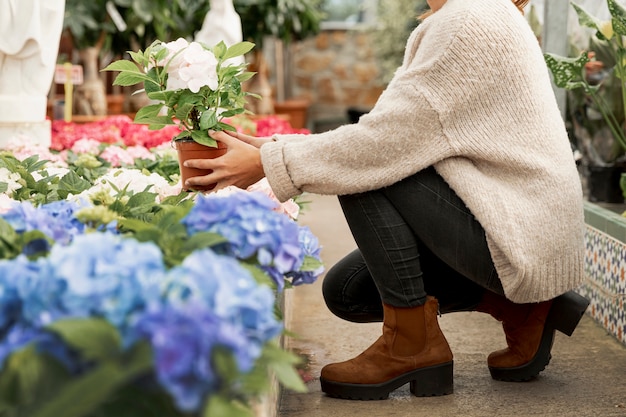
[{"x": 66, "y": 72}]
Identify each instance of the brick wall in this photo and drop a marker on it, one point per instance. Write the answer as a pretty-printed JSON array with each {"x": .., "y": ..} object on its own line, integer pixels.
[{"x": 335, "y": 70}]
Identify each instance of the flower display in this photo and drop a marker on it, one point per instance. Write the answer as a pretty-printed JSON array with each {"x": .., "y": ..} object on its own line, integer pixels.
[
  {"x": 94, "y": 276},
  {"x": 191, "y": 81},
  {"x": 115, "y": 285},
  {"x": 190, "y": 313}
]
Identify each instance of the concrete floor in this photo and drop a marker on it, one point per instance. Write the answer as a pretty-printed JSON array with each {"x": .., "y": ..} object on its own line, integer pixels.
[{"x": 586, "y": 377}]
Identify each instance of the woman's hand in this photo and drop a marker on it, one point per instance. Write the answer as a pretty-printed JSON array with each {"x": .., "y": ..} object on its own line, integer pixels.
[
  {"x": 251, "y": 140},
  {"x": 240, "y": 166}
]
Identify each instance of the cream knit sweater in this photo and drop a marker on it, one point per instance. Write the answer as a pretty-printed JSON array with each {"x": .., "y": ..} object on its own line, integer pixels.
[{"x": 472, "y": 98}]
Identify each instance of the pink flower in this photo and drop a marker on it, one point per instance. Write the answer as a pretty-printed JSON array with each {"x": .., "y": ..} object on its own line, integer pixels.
[
  {"x": 86, "y": 146},
  {"x": 140, "y": 152},
  {"x": 117, "y": 156},
  {"x": 289, "y": 207}
]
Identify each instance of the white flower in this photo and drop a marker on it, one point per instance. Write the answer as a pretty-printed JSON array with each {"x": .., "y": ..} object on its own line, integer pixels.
[
  {"x": 173, "y": 48},
  {"x": 606, "y": 28},
  {"x": 11, "y": 179},
  {"x": 49, "y": 172},
  {"x": 6, "y": 203},
  {"x": 193, "y": 68},
  {"x": 134, "y": 180}
]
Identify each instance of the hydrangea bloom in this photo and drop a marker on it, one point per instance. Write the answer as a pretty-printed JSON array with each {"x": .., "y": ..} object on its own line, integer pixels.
[
  {"x": 252, "y": 228},
  {"x": 211, "y": 301},
  {"x": 56, "y": 220},
  {"x": 106, "y": 275},
  {"x": 311, "y": 247}
]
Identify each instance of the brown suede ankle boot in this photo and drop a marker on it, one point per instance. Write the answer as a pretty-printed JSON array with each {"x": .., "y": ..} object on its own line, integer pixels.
[
  {"x": 412, "y": 349},
  {"x": 529, "y": 330}
]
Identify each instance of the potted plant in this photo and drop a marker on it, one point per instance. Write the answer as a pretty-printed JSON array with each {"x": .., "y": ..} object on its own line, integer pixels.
[
  {"x": 193, "y": 89},
  {"x": 597, "y": 100}
]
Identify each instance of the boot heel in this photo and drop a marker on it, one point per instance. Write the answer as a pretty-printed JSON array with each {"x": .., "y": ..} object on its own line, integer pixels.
[
  {"x": 566, "y": 311},
  {"x": 434, "y": 381}
]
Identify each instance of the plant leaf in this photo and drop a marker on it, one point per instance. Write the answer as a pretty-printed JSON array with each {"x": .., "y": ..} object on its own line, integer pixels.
[
  {"x": 618, "y": 19},
  {"x": 238, "y": 49},
  {"x": 94, "y": 338},
  {"x": 567, "y": 72},
  {"x": 203, "y": 138}
]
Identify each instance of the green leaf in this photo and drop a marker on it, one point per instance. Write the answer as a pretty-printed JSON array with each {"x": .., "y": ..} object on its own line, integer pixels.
[
  {"x": 123, "y": 66},
  {"x": 220, "y": 406},
  {"x": 288, "y": 376},
  {"x": 203, "y": 138},
  {"x": 72, "y": 183},
  {"x": 10, "y": 245},
  {"x": 139, "y": 58},
  {"x": 183, "y": 110},
  {"x": 95, "y": 339},
  {"x": 245, "y": 76},
  {"x": 238, "y": 49},
  {"x": 587, "y": 20},
  {"x": 149, "y": 111},
  {"x": 202, "y": 240},
  {"x": 618, "y": 19},
  {"x": 310, "y": 263},
  {"x": 84, "y": 394},
  {"x": 208, "y": 120},
  {"x": 27, "y": 375},
  {"x": 127, "y": 79},
  {"x": 567, "y": 72},
  {"x": 219, "y": 50}
]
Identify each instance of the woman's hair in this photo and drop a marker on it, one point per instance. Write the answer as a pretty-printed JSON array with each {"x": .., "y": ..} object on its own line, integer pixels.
[{"x": 520, "y": 4}]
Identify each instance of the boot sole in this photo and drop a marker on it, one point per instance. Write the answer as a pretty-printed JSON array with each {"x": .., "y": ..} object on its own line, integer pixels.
[
  {"x": 432, "y": 381},
  {"x": 565, "y": 313}
]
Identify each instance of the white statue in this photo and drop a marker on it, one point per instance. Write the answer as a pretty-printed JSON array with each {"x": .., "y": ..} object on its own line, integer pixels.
[
  {"x": 221, "y": 23},
  {"x": 30, "y": 31}
]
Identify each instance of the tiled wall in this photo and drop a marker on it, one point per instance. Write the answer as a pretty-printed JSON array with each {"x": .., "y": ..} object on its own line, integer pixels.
[{"x": 605, "y": 268}]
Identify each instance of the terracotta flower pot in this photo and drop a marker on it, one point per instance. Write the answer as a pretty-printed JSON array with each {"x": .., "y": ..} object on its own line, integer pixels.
[{"x": 189, "y": 149}]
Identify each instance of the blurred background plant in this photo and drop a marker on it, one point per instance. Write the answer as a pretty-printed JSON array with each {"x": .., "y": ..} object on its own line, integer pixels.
[
  {"x": 595, "y": 77},
  {"x": 392, "y": 32}
]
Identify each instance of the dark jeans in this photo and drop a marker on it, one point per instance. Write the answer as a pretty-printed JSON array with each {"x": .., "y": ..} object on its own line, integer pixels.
[{"x": 414, "y": 238}]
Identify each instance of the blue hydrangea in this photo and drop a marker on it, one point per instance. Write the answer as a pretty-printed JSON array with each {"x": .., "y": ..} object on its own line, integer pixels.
[
  {"x": 21, "y": 335},
  {"x": 213, "y": 294},
  {"x": 56, "y": 220},
  {"x": 310, "y": 247},
  {"x": 222, "y": 284},
  {"x": 108, "y": 276},
  {"x": 252, "y": 228},
  {"x": 182, "y": 340}
]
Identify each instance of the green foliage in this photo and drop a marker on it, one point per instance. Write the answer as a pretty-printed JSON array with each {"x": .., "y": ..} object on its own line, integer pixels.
[
  {"x": 146, "y": 21},
  {"x": 35, "y": 385},
  {"x": 395, "y": 22},
  {"x": 606, "y": 96},
  {"x": 287, "y": 20}
]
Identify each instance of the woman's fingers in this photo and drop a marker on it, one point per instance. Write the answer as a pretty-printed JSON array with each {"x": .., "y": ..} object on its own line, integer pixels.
[{"x": 239, "y": 166}]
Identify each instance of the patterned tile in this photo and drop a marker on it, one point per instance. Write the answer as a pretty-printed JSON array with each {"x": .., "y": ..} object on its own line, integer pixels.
[{"x": 605, "y": 284}]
